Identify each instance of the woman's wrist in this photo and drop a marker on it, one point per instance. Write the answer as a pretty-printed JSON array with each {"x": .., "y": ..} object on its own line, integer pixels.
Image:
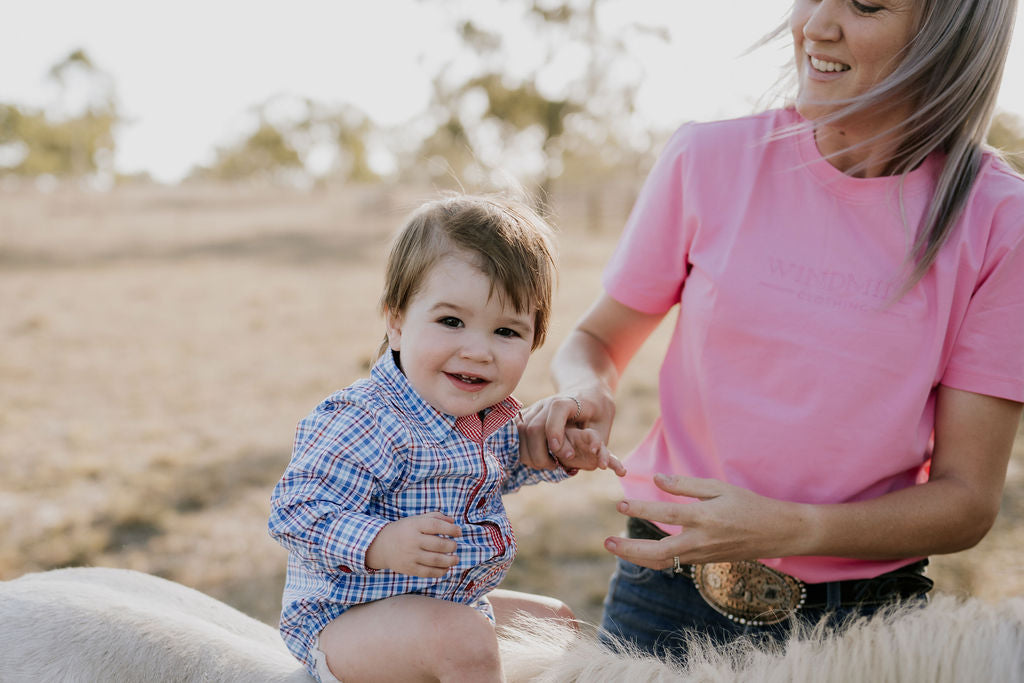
[
  {"x": 596, "y": 402},
  {"x": 805, "y": 529}
]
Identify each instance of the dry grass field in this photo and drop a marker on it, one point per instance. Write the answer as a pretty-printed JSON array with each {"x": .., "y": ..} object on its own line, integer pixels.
[{"x": 159, "y": 345}]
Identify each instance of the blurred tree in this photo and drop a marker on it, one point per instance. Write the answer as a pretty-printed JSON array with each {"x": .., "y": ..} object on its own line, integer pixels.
[
  {"x": 351, "y": 131},
  {"x": 1007, "y": 135},
  {"x": 265, "y": 154},
  {"x": 535, "y": 126},
  {"x": 297, "y": 141},
  {"x": 76, "y": 138}
]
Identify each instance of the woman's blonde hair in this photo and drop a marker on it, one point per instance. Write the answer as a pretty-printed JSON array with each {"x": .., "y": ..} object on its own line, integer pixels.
[
  {"x": 950, "y": 73},
  {"x": 513, "y": 246}
]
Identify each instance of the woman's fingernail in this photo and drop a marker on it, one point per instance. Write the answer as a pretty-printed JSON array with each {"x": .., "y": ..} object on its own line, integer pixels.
[
  {"x": 623, "y": 506},
  {"x": 609, "y": 544}
]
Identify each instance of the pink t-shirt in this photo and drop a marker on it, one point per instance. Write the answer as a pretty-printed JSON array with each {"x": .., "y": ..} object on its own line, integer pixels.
[{"x": 790, "y": 371}]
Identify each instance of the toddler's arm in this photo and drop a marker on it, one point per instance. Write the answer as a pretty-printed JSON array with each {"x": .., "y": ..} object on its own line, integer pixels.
[{"x": 320, "y": 509}]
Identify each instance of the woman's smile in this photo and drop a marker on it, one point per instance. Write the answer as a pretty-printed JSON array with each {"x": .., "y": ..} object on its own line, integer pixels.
[
  {"x": 842, "y": 52},
  {"x": 826, "y": 66}
]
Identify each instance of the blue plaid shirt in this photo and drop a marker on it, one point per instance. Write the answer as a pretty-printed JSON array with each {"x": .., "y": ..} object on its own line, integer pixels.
[{"x": 377, "y": 452}]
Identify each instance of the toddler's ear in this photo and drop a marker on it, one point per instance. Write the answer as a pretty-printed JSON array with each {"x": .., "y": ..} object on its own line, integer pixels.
[{"x": 393, "y": 322}]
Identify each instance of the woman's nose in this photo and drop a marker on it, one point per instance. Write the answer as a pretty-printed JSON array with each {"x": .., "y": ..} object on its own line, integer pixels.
[{"x": 821, "y": 24}]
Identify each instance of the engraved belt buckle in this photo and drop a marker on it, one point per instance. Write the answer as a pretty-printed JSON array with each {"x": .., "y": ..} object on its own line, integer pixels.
[{"x": 748, "y": 592}]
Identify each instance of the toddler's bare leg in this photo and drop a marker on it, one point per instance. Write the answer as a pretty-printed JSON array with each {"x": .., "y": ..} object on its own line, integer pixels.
[
  {"x": 506, "y": 603},
  {"x": 412, "y": 638}
]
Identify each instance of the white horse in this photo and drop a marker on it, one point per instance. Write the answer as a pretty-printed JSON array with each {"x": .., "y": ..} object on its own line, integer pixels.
[{"x": 111, "y": 625}]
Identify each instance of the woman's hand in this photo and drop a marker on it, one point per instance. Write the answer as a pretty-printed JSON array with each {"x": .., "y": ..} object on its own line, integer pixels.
[
  {"x": 542, "y": 431},
  {"x": 586, "y": 369},
  {"x": 725, "y": 524}
]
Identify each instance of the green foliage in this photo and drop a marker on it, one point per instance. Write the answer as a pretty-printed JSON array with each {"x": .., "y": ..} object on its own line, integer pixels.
[
  {"x": 351, "y": 132},
  {"x": 594, "y": 105},
  {"x": 262, "y": 154},
  {"x": 71, "y": 146},
  {"x": 480, "y": 40},
  {"x": 523, "y": 106},
  {"x": 68, "y": 148},
  {"x": 1007, "y": 135},
  {"x": 559, "y": 14},
  {"x": 447, "y": 151},
  {"x": 77, "y": 58},
  {"x": 281, "y": 146}
]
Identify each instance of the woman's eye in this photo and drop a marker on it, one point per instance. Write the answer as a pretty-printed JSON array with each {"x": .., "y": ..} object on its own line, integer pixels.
[
  {"x": 506, "y": 332},
  {"x": 864, "y": 9},
  {"x": 450, "y": 321}
]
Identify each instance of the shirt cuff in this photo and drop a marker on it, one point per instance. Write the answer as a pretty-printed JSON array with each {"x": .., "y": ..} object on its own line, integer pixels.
[{"x": 346, "y": 541}]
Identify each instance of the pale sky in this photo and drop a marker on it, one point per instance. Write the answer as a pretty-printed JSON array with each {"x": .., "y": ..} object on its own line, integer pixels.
[{"x": 186, "y": 72}]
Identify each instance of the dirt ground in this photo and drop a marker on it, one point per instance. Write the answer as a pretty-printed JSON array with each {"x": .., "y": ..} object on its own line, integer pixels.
[{"x": 159, "y": 345}]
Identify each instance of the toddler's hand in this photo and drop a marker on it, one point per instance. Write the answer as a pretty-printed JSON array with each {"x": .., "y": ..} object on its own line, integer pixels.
[
  {"x": 417, "y": 546},
  {"x": 589, "y": 452}
]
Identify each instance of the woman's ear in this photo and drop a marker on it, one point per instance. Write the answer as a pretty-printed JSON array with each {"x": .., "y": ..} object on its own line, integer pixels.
[{"x": 393, "y": 323}]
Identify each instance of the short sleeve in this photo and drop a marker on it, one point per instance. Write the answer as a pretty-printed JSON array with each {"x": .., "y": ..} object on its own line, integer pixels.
[
  {"x": 988, "y": 354},
  {"x": 647, "y": 269}
]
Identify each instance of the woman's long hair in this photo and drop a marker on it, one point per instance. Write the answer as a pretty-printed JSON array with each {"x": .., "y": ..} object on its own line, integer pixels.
[{"x": 950, "y": 72}]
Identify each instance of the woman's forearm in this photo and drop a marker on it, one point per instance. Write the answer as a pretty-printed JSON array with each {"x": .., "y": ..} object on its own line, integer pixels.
[
  {"x": 974, "y": 437},
  {"x": 933, "y": 518},
  {"x": 952, "y": 511},
  {"x": 729, "y": 523},
  {"x": 582, "y": 361},
  {"x": 601, "y": 345}
]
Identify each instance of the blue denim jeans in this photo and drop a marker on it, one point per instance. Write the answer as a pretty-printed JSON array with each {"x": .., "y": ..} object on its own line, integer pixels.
[{"x": 653, "y": 608}]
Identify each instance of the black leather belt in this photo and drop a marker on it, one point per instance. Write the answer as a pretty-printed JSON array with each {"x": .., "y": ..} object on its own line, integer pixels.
[{"x": 900, "y": 584}]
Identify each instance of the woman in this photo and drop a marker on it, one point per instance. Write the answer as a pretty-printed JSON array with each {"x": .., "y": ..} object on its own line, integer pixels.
[{"x": 843, "y": 385}]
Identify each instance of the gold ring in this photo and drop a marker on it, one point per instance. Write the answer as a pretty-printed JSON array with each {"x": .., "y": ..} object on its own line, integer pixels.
[
  {"x": 579, "y": 408},
  {"x": 676, "y": 567}
]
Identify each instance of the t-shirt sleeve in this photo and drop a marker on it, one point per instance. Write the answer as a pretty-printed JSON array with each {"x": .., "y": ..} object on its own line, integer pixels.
[
  {"x": 988, "y": 354},
  {"x": 647, "y": 269}
]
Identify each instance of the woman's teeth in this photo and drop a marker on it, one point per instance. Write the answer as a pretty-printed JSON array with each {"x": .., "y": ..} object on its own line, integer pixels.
[{"x": 822, "y": 65}]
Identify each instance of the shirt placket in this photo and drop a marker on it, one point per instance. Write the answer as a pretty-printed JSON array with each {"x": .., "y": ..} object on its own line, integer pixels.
[{"x": 478, "y": 430}]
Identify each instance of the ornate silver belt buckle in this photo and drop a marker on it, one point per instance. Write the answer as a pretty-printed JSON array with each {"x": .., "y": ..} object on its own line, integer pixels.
[{"x": 748, "y": 592}]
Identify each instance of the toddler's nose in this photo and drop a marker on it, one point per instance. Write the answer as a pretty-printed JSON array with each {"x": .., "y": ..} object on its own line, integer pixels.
[{"x": 477, "y": 349}]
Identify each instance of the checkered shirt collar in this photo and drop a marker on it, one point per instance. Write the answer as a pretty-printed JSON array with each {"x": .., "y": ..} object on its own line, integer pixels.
[{"x": 440, "y": 425}]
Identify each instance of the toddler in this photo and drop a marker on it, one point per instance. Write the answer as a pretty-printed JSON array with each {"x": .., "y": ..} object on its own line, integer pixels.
[{"x": 391, "y": 505}]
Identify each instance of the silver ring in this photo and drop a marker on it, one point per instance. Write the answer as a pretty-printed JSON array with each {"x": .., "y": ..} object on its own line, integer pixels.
[
  {"x": 676, "y": 567},
  {"x": 579, "y": 408}
]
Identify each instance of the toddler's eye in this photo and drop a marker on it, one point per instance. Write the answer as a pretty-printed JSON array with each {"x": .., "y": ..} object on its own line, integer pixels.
[
  {"x": 450, "y": 321},
  {"x": 506, "y": 332}
]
